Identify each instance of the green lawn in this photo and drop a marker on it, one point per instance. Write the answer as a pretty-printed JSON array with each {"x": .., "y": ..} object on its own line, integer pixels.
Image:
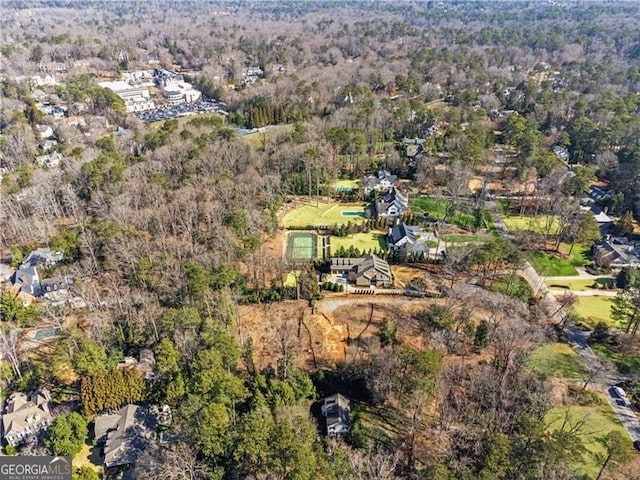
[
  {"x": 625, "y": 363},
  {"x": 549, "y": 266},
  {"x": 538, "y": 224},
  {"x": 595, "y": 309},
  {"x": 362, "y": 241},
  {"x": 342, "y": 185},
  {"x": 323, "y": 214},
  {"x": 556, "y": 360},
  {"x": 599, "y": 421},
  {"x": 462, "y": 238},
  {"x": 435, "y": 207},
  {"x": 580, "y": 285}
]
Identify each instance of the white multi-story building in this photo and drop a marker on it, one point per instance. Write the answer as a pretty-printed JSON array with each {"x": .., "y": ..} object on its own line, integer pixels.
[{"x": 136, "y": 99}]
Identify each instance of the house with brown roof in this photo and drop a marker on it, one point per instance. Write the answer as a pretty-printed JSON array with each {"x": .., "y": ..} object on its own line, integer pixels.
[
  {"x": 24, "y": 418},
  {"x": 367, "y": 271}
]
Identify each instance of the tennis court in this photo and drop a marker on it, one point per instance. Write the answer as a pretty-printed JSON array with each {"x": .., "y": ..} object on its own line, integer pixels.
[{"x": 302, "y": 246}]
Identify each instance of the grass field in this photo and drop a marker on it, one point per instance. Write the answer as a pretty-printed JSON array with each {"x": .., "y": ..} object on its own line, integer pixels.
[
  {"x": 557, "y": 360},
  {"x": 527, "y": 223},
  {"x": 256, "y": 140},
  {"x": 437, "y": 208},
  {"x": 462, "y": 238},
  {"x": 595, "y": 309},
  {"x": 362, "y": 241},
  {"x": 625, "y": 363},
  {"x": 580, "y": 285},
  {"x": 346, "y": 185},
  {"x": 549, "y": 266},
  {"x": 599, "y": 421},
  {"x": 323, "y": 214},
  {"x": 302, "y": 246}
]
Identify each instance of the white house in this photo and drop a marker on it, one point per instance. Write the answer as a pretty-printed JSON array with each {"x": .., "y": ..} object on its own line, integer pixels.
[
  {"x": 337, "y": 409},
  {"x": 382, "y": 181}
]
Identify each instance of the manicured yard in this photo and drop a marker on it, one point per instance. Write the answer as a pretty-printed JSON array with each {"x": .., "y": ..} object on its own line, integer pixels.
[
  {"x": 538, "y": 224},
  {"x": 435, "y": 207},
  {"x": 362, "y": 241},
  {"x": 595, "y": 309},
  {"x": 626, "y": 363},
  {"x": 556, "y": 360},
  {"x": 580, "y": 285},
  {"x": 549, "y": 266},
  {"x": 599, "y": 421},
  {"x": 324, "y": 214},
  {"x": 346, "y": 185}
]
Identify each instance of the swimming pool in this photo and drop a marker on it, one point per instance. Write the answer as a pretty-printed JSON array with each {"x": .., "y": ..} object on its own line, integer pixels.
[{"x": 352, "y": 214}]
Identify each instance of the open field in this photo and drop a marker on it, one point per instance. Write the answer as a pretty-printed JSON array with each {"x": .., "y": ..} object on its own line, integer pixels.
[
  {"x": 599, "y": 420},
  {"x": 528, "y": 223},
  {"x": 346, "y": 185},
  {"x": 557, "y": 360},
  {"x": 257, "y": 140},
  {"x": 323, "y": 214},
  {"x": 580, "y": 285},
  {"x": 595, "y": 309},
  {"x": 362, "y": 241}
]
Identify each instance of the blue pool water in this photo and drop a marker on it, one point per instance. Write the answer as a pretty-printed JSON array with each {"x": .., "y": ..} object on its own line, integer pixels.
[{"x": 353, "y": 214}]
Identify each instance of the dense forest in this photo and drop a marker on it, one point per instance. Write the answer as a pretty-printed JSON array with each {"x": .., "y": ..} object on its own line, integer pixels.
[{"x": 167, "y": 227}]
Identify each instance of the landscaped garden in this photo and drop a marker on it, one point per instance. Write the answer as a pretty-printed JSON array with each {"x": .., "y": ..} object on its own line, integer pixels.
[
  {"x": 592, "y": 310},
  {"x": 557, "y": 360},
  {"x": 322, "y": 213}
]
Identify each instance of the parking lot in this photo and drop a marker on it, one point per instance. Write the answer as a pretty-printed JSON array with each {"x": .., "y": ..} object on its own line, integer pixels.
[{"x": 168, "y": 112}]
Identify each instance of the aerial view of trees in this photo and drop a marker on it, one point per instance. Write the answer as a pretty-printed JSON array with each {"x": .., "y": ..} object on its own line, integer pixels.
[{"x": 497, "y": 120}]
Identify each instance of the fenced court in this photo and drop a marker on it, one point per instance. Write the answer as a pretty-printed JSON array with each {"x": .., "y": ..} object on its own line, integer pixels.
[{"x": 302, "y": 246}]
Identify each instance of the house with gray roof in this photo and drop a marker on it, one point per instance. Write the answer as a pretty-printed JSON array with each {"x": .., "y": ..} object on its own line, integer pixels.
[
  {"x": 392, "y": 204},
  {"x": 409, "y": 239},
  {"x": 617, "y": 252},
  {"x": 367, "y": 271},
  {"x": 337, "y": 409},
  {"x": 25, "y": 418},
  {"x": 27, "y": 278},
  {"x": 125, "y": 434},
  {"x": 382, "y": 181}
]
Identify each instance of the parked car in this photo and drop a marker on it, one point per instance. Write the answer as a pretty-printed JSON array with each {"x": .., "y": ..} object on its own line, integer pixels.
[{"x": 636, "y": 445}]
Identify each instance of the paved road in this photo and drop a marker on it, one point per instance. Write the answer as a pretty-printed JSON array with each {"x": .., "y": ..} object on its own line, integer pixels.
[{"x": 604, "y": 375}]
